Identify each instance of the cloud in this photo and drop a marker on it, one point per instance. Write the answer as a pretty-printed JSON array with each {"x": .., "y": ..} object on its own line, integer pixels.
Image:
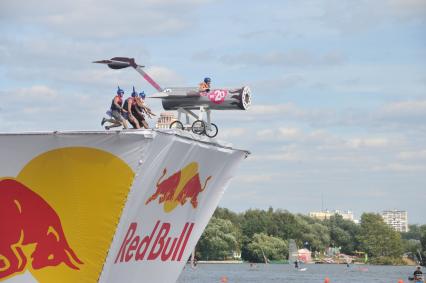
[
  {"x": 404, "y": 109},
  {"x": 409, "y": 114},
  {"x": 229, "y": 133},
  {"x": 295, "y": 57},
  {"x": 282, "y": 133},
  {"x": 255, "y": 178},
  {"x": 165, "y": 76},
  {"x": 348, "y": 16},
  {"x": 103, "y": 19},
  {"x": 400, "y": 168},
  {"x": 282, "y": 109},
  {"x": 368, "y": 142},
  {"x": 419, "y": 155},
  {"x": 34, "y": 93}
]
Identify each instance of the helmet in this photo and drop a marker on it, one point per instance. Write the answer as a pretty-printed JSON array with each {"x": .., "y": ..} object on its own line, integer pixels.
[
  {"x": 134, "y": 93},
  {"x": 207, "y": 80},
  {"x": 142, "y": 95},
  {"x": 120, "y": 91}
]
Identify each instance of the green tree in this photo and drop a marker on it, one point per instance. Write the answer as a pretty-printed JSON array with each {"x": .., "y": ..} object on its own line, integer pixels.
[
  {"x": 312, "y": 232},
  {"x": 224, "y": 213},
  {"x": 255, "y": 221},
  {"x": 270, "y": 247},
  {"x": 218, "y": 241},
  {"x": 343, "y": 233},
  {"x": 377, "y": 238},
  {"x": 423, "y": 246},
  {"x": 284, "y": 225}
]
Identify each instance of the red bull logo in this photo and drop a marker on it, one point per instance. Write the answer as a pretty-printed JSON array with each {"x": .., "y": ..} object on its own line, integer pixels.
[
  {"x": 29, "y": 221},
  {"x": 59, "y": 214},
  {"x": 179, "y": 188},
  {"x": 157, "y": 245}
]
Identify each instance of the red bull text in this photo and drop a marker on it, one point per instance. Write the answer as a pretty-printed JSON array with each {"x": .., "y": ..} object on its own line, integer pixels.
[
  {"x": 27, "y": 219},
  {"x": 157, "y": 245}
]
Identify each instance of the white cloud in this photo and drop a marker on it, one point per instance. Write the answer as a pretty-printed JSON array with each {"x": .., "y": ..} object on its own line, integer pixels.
[
  {"x": 254, "y": 178},
  {"x": 35, "y": 93},
  {"x": 367, "y": 142},
  {"x": 103, "y": 19},
  {"x": 229, "y": 133},
  {"x": 283, "y": 109},
  {"x": 412, "y": 155},
  {"x": 165, "y": 76},
  {"x": 282, "y": 133},
  {"x": 349, "y": 16},
  {"x": 405, "y": 108},
  {"x": 295, "y": 57},
  {"x": 401, "y": 168}
]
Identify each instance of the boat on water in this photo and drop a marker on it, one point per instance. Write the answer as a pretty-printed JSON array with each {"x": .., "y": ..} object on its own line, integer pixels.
[{"x": 122, "y": 206}]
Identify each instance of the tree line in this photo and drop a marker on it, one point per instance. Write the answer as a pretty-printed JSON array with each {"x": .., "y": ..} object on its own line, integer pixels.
[{"x": 264, "y": 234}]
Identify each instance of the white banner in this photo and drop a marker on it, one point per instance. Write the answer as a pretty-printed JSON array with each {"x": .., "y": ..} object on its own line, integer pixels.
[
  {"x": 107, "y": 207},
  {"x": 176, "y": 191}
]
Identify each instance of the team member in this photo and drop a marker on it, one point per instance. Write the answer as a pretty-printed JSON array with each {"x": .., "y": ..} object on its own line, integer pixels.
[
  {"x": 116, "y": 112},
  {"x": 129, "y": 105},
  {"x": 418, "y": 274},
  {"x": 205, "y": 85},
  {"x": 141, "y": 108}
]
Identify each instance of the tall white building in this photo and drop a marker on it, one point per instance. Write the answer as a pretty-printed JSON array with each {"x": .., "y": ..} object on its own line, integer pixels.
[
  {"x": 326, "y": 214},
  {"x": 397, "y": 219}
]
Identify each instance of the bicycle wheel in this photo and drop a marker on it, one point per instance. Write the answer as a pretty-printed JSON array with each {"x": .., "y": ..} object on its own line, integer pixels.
[
  {"x": 198, "y": 127},
  {"x": 211, "y": 131},
  {"x": 176, "y": 125}
]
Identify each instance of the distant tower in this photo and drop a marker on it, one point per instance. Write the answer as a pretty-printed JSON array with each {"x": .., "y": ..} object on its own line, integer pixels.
[
  {"x": 165, "y": 119},
  {"x": 397, "y": 219}
]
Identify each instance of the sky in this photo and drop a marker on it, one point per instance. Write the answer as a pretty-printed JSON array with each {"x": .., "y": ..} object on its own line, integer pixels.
[{"x": 339, "y": 87}]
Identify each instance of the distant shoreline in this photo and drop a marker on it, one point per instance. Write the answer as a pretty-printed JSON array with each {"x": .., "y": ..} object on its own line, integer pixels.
[{"x": 242, "y": 262}]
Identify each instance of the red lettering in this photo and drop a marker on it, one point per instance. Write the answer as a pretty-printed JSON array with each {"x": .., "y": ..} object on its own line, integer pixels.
[
  {"x": 132, "y": 247},
  {"x": 186, "y": 240},
  {"x": 135, "y": 247},
  {"x": 180, "y": 240},
  {"x": 165, "y": 255},
  {"x": 145, "y": 242},
  {"x": 127, "y": 238},
  {"x": 164, "y": 230}
]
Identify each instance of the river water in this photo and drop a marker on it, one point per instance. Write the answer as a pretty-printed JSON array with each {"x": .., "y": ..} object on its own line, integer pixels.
[{"x": 314, "y": 273}]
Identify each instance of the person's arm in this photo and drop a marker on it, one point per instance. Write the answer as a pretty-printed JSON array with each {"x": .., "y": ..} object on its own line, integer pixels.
[
  {"x": 138, "y": 111},
  {"x": 202, "y": 87},
  {"x": 146, "y": 109}
]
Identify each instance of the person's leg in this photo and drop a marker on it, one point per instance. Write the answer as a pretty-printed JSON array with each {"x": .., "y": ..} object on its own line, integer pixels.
[
  {"x": 144, "y": 123},
  {"x": 134, "y": 122},
  {"x": 124, "y": 123},
  {"x": 113, "y": 125},
  {"x": 141, "y": 120}
]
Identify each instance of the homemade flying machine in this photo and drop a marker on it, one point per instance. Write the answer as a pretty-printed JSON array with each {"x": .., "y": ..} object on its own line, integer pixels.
[{"x": 187, "y": 99}]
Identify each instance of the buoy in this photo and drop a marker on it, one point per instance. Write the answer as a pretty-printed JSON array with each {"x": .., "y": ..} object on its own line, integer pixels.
[
  {"x": 327, "y": 280},
  {"x": 224, "y": 279},
  {"x": 400, "y": 281}
]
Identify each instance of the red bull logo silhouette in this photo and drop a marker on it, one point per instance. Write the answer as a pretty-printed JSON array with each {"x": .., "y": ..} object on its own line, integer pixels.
[
  {"x": 28, "y": 220},
  {"x": 179, "y": 188}
]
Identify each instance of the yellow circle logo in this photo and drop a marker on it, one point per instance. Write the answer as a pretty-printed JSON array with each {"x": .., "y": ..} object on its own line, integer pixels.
[{"x": 60, "y": 214}]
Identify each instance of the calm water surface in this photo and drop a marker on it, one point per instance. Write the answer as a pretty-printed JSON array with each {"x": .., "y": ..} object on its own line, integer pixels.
[{"x": 236, "y": 273}]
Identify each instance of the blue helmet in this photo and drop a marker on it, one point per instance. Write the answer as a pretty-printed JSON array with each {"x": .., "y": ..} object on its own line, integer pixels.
[
  {"x": 134, "y": 93},
  {"x": 120, "y": 91},
  {"x": 207, "y": 80},
  {"x": 142, "y": 95}
]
